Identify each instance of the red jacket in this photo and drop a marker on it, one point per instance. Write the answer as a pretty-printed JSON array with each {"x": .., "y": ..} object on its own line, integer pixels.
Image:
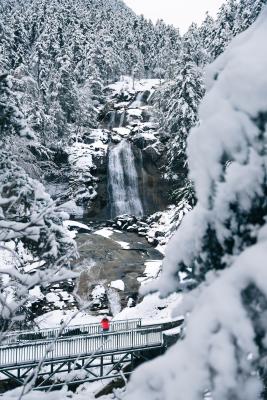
[{"x": 105, "y": 324}]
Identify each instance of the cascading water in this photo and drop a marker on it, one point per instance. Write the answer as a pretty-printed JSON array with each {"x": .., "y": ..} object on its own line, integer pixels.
[
  {"x": 112, "y": 120},
  {"x": 123, "y": 181},
  {"x": 138, "y": 102},
  {"x": 122, "y": 119}
]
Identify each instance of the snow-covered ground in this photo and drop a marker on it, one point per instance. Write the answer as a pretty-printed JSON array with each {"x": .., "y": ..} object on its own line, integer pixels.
[
  {"x": 152, "y": 309},
  {"x": 67, "y": 317},
  {"x": 86, "y": 391}
]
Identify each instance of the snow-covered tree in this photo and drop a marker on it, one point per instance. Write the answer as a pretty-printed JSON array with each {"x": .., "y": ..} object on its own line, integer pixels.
[
  {"x": 247, "y": 12},
  {"x": 28, "y": 215},
  {"x": 192, "y": 47},
  {"x": 222, "y": 243},
  {"x": 178, "y": 114}
]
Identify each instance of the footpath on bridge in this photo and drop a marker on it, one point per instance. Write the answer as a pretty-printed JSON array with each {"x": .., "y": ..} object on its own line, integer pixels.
[{"x": 83, "y": 352}]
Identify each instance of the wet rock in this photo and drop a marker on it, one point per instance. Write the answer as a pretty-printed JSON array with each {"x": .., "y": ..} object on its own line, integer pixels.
[
  {"x": 152, "y": 153},
  {"x": 144, "y": 140},
  {"x": 104, "y": 260}
]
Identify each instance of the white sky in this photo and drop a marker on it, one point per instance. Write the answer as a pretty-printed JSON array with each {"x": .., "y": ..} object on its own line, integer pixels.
[{"x": 180, "y": 13}]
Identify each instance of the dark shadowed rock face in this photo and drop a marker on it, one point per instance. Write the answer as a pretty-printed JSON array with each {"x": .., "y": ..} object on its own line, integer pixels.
[{"x": 153, "y": 188}]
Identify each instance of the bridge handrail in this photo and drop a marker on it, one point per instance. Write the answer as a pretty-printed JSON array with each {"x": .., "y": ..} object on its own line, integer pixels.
[
  {"x": 19, "y": 354},
  {"x": 141, "y": 329},
  {"x": 118, "y": 325}
]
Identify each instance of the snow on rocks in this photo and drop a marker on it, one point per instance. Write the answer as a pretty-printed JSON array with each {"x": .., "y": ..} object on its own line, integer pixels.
[
  {"x": 124, "y": 245},
  {"x": 75, "y": 227},
  {"x": 157, "y": 228},
  {"x": 131, "y": 118},
  {"x": 135, "y": 112},
  {"x": 84, "y": 159},
  {"x": 105, "y": 232},
  {"x": 119, "y": 284},
  {"x": 126, "y": 84},
  {"x": 72, "y": 209},
  {"x": 80, "y": 156},
  {"x": 98, "y": 139},
  {"x": 123, "y": 132}
]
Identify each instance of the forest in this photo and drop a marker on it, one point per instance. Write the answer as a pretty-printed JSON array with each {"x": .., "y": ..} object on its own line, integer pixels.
[{"x": 133, "y": 186}]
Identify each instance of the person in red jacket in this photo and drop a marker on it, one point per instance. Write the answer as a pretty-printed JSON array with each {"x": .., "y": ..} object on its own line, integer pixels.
[{"x": 105, "y": 324}]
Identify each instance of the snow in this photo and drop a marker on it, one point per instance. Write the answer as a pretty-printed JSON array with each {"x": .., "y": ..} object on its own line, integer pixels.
[
  {"x": 119, "y": 284},
  {"x": 226, "y": 128},
  {"x": 206, "y": 346},
  {"x": 124, "y": 245},
  {"x": 86, "y": 391},
  {"x": 167, "y": 223},
  {"x": 152, "y": 309},
  {"x": 105, "y": 232},
  {"x": 69, "y": 223},
  {"x": 219, "y": 353},
  {"x": 35, "y": 293},
  {"x": 98, "y": 291},
  {"x": 52, "y": 297},
  {"x": 100, "y": 140},
  {"x": 126, "y": 83},
  {"x": 53, "y": 319},
  {"x": 80, "y": 156},
  {"x": 152, "y": 268},
  {"x": 75, "y": 224},
  {"x": 135, "y": 112},
  {"x": 72, "y": 208},
  {"x": 124, "y": 132}
]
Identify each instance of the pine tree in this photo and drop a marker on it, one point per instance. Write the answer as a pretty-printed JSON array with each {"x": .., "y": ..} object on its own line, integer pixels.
[
  {"x": 179, "y": 116},
  {"x": 224, "y": 27},
  {"x": 248, "y": 11},
  {"x": 27, "y": 213},
  {"x": 221, "y": 243},
  {"x": 192, "y": 47}
]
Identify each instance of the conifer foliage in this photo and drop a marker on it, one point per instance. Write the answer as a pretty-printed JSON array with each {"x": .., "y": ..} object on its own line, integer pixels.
[
  {"x": 222, "y": 242},
  {"x": 28, "y": 215},
  {"x": 177, "y": 102},
  {"x": 71, "y": 48}
]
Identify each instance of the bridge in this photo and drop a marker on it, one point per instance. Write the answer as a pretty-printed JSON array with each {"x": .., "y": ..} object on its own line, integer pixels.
[{"x": 77, "y": 354}]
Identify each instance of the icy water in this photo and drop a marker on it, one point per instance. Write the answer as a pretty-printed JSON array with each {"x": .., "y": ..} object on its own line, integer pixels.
[{"x": 124, "y": 196}]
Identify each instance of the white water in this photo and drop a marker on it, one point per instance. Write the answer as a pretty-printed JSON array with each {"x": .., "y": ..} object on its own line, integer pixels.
[
  {"x": 138, "y": 101},
  {"x": 122, "y": 118},
  {"x": 123, "y": 181},
  {"x": 112, "y": 120}
]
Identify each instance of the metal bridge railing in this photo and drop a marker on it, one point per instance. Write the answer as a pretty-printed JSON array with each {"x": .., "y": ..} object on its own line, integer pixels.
[
  {"x": 74, "y": 330},
  {"x": 75, "y": 347}
]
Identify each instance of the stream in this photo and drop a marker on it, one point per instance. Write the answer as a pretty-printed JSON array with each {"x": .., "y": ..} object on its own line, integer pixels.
[{"x": 115, "y": 261}]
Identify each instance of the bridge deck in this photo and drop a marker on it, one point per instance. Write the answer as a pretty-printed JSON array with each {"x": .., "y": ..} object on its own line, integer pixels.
[{"x": 77, "y": 346}]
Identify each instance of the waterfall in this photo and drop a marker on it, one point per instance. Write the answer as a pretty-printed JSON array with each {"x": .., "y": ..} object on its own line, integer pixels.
[
  {"x": 111, "y": 123},
  {"x": 123, "y": 181},
  {"x": 138, "y": 101},
  {"x": 122, "y": 119}
]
